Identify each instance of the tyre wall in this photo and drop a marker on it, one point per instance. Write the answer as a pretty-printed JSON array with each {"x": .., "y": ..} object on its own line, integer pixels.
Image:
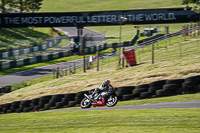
[{"x": 155, "y": 89}]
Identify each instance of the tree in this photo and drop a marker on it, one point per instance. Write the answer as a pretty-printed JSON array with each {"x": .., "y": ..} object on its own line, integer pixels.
[
  {"x": 195, "y": 3},
  {"x": 3, "y": 6},
  {"x": 34, "y": 5},
  {"x": 4, "y": 3},
  {"x": 15, "y": 4},
  {"x": 25, "y": 5}
]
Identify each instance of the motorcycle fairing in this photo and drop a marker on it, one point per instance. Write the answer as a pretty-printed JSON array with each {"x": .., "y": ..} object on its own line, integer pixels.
[{"x": 99, "y": 103}]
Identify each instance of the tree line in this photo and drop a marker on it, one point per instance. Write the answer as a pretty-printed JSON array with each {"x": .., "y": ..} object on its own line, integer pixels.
[{"x": 21, "y": 5}]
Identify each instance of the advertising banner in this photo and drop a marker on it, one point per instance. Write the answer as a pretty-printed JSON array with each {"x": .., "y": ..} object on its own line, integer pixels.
[{"x": 98, "y": 18}]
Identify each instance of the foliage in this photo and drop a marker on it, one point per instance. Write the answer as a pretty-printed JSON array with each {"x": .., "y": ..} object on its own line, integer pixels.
[
  {"x": 17, "y": 86},
  {"x": 22, "y": 5},
  {"x": 196, "y": 4},
  {"x": 3, "y": 5},
  {"x": 34, "y": 5}
]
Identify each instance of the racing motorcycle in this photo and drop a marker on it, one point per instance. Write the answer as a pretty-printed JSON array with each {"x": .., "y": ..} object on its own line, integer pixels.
[{"x": 106, "y": 98}]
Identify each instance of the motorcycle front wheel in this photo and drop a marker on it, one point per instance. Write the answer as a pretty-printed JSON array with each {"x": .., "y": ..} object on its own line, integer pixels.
[
  {"x": 85, "y": 103},
  {"x": 112, "y": 101}
]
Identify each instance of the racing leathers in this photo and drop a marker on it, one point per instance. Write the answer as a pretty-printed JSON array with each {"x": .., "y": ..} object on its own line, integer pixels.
[{"x": 103, "y": 87}]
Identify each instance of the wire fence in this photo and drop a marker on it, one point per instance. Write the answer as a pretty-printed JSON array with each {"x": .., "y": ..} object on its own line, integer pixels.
[
  {"x": 179, "y": 38},
  {"x": 148, "y": 51}
]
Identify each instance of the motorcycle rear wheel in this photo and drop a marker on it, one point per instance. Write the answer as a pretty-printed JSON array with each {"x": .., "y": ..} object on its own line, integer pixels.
[
  {"x": 85, "y": 103},
  {"x": 112, "y": 101}
]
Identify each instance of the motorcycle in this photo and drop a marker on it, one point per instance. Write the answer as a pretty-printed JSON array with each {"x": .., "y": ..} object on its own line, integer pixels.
[{"x": 107, "y": 98}]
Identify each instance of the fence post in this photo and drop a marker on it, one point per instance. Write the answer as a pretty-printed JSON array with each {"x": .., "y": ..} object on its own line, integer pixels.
[
  {"x": 152, "y": 60},
  {"x": 84, "y": 69},
  {"x": 74, "y": 67},
  {"x": 62, "y": 72},
  {"x": 57, "y": 72},
  {"x": 191, "y": 28},
  {"x": 195, "y": 26},
  {"x": 69, "y": 69},
  {"x": 97, "y": 56},
  {"x": 66, "y": 71},
  {"x": 122, "y": 57}
]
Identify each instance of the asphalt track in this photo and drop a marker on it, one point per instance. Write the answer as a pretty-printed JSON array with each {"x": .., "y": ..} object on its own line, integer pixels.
[{"x": 186, "y": 104}]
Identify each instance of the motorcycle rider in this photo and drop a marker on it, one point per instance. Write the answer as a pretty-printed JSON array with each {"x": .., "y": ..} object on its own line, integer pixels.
[{"x": 103, "y": 87}]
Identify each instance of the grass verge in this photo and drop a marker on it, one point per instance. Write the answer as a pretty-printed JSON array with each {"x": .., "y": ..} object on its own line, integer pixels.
[
  {"x": 16, "y": 34},
  {"x": 104, "y": 5},
  {"x": 137, "y": 121}
]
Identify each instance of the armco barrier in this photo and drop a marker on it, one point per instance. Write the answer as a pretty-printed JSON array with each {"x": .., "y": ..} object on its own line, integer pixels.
[
  {"x": 20, "y": 62},
  {"x": 32, "y": 60},
  {"x": 155, "y": 89},
  {"x": 55, "y": 55},
  {"x": 13, "y": 64},
  {"x": 21, "y": 50},
  {"x": 5, "y": 65},
  {"x": 60, "y": 54},
  {"x": 52, "y": 56},
  {"x": 45, "y": 58},
  {"x": 39, "y": 58},
  {"x": 27, "y": 61}
]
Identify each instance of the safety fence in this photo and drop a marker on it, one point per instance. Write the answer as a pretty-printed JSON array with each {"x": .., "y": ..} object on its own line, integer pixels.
[
  {"x": 31, "y": 60},
  {"x": 155, "y": 89},
  {"x": 151, "y": 49},
  {"x": 26, "y": 48},
  {"x": 185, "y": 33},
  {"x": 65, "y": 71},
  {"x": 51, "y": 56}
]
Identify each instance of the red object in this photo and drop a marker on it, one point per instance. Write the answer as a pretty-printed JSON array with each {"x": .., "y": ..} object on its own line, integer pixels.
[
  {"x": 185, "y": 31},
  {"x": 99, "y": 103},
  {"x": 130, "y": 57}
]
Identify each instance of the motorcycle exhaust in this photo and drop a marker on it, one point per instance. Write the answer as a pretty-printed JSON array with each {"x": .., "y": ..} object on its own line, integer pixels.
[{"x": 86, "y": 96}]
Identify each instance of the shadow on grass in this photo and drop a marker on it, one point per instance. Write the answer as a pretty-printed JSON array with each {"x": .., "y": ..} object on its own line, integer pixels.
[{"x": 16, "y": 34}]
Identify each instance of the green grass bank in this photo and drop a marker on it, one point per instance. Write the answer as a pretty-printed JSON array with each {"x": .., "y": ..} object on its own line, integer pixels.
[{"x": 115, "y": 121}]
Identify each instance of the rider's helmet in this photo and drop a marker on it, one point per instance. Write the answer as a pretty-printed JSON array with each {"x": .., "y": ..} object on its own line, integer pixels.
[{"x": 106, "y": 82}]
